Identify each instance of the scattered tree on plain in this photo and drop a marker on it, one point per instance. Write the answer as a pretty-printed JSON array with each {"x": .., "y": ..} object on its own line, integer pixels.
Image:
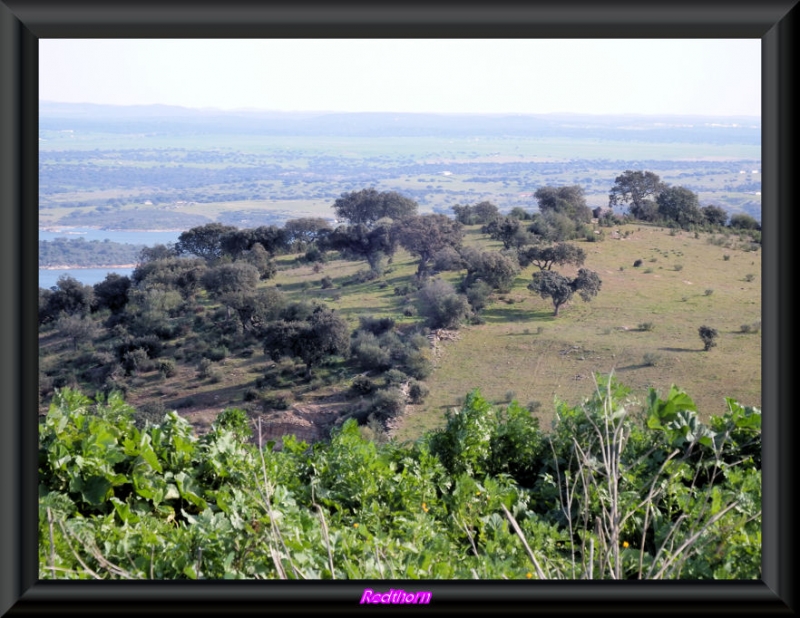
[
  {"x": 638, "y": 189},
  {"x": 496, "y": 269},
  {"x": 230, "y": 279},
  {"x": 744, "y": 222},
  {"x": 369, "y": 205},
  {"x": 360, "y": 242},
  {"x": 426, "y": 235},
  {"x": 568, "y": 200},
  {"x": 480, "y": 213},
  {"x": 204, "y": 241},
  {"x": 68, "y": 296},
  {"x": 553, "y": 226},
  {"x": 560, "y": 289},
  {"x": 714, "y": 215},
  {"x": 509, "y": 231},
  {"x": 545, "y": 257},
  {"x": 112, "y": 293},
  {"x": 680, "y": 205},
  {"x": 300, "y": 232}
]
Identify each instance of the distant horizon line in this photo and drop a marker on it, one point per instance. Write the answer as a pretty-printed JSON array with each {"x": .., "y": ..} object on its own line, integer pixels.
[{"x": 439, "y": 113}]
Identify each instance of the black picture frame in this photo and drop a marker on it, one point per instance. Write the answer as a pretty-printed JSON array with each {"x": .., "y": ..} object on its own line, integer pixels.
[{"x": 24, "y": 22}]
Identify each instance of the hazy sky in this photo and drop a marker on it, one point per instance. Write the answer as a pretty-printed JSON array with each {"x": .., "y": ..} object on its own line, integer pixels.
[{"x": 717, "y": 77}]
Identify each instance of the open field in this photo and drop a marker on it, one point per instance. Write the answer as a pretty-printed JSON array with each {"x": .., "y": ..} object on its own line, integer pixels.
[{"x": 523, "y": 349}]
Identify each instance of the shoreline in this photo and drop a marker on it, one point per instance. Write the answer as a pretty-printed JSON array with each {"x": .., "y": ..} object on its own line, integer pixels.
[
  {"x": 67, "y": 267},
  {"x": 56, "y": 229}
]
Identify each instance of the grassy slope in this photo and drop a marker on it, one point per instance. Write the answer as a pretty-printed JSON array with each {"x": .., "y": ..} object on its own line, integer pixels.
[
  {"x": 508, "y": 353},
  {"x": 521, "y": 347}
]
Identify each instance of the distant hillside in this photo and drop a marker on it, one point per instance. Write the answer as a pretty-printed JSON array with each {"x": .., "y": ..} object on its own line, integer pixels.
[{"x": 173, "y": 120}]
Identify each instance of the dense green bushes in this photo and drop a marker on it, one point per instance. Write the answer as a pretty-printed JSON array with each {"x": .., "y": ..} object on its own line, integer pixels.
[{"x": 605, "y": 494}]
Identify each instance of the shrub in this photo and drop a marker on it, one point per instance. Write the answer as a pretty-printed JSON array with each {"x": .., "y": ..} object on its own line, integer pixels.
[
  {"x": 234, "y": 420},
  {"x": 186, "y": 402},
  {"x": 376, "y": 326},
  {"x": 135, "y": 360},
  {"x": 709, "y": 336},
  {"x": 362, "y": 385},
  {"x": 637, "y": 263},
  {"x": 651, "y": 359},
  {"x": 749, "y": 277},
  {"x": 217, "y": 354},
  {"x": 441, "y": 305},
  {"x": 726, "y": 257},
  {"x": 418, "y": 364},
  {"x": 647, "y": 326},
  {"x": 203, "y": 368},
  {"x": 275, "y": 401},
  {"x": 326, "y": 283},
  {"x": 385, "y": 404},
  {"x": 403, "y": 290},
  {"x": 151, "y": 413},
  {"x": 363, "y": 276},
  {"x": 709, "y": 292},
  {"x": 215, "y": 375},
  {"x": 395, "y": 377},
  {"x": 252, "y": 394},
  {"x": 678, "y": 267},
  {"x": 478, "y": 295},
  {"x": 417, "y": 391},
  {"x": 409, "y": 311},
  {"x": 368, "y": 353},
  {"x": 166, "y": 367}
]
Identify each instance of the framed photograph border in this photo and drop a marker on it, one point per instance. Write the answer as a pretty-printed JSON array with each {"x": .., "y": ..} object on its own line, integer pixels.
[{"x": 23, "y": 23}]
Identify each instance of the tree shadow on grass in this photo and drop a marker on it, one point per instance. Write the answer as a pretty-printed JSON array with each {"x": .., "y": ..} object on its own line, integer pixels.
[
  {"x": 510, "y": 315},
  {"x": 222, "y": 397},
  {"x": 632, "y": 367},
  {"x": 681, "y": 349}
]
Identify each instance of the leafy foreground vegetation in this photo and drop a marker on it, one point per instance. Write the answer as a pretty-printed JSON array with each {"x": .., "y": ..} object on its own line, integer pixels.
[{"x": 608, "y": 493}]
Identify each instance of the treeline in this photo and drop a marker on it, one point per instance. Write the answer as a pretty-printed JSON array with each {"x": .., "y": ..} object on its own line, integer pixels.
[
  {"x": 208, "y": 296},
  {"x": 606, "y": 494},
  {"x": 82, "y": 253}
]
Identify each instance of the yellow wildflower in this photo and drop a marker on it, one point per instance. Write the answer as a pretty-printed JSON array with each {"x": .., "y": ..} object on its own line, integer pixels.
[
  {"x": 355, "y": 525},
  {"x": 424, "y": 507},
  {"x": 528, "y": 574},
  {"x": 625, "y": 544}
]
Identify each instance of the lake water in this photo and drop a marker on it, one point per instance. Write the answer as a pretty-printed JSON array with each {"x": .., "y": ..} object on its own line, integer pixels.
[{"x": 90, "y": 276}]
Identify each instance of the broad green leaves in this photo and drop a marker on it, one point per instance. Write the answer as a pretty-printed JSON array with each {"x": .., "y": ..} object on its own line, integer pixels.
[{"x": 483, "y": 497}]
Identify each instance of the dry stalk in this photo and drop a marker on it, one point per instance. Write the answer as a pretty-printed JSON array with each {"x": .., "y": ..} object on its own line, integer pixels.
[
  {"x": 518, "y": 530},
  {"x": 327, "y": 539}
]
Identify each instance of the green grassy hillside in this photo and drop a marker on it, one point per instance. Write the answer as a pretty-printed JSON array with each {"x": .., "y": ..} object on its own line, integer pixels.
[{"x": 643, "y": 326}]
